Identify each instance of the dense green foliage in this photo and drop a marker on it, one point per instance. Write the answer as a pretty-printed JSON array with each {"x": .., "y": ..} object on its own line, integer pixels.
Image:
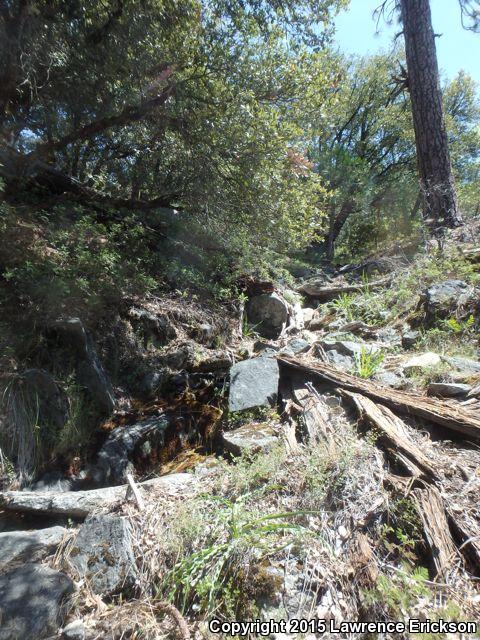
[{"x": 155, "y": 143}]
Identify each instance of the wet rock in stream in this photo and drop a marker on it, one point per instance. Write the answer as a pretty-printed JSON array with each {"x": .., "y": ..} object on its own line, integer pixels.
[{"x": 113, "y": 461}]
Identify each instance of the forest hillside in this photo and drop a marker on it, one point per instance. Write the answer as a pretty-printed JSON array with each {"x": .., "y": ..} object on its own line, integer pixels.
[{"x": 239, "y": 322}]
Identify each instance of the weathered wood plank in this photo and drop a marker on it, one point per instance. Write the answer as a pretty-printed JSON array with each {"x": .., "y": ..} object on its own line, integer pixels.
[{"x": 455, "y": 418}]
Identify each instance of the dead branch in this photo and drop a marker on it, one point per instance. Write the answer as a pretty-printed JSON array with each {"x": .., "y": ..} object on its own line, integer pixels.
[
  {"x": 431, "y": 511},
  {"x": 455, "y": 418},
  {"x": 315, "y": 289},
  {"x": 394, "y": 434}
]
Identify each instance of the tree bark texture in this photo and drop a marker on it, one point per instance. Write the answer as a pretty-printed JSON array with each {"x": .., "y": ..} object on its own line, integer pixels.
[{"x": 433, "y": 157}]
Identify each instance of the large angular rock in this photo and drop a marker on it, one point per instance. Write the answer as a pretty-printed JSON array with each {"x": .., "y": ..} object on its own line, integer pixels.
[
  {"x": 33, "y": 600},
  {"x": 253, "y": 383},
  {"x": 79, "y": 504},
  {"x": 113, "y": 462},
  {"x": 90, "y": 372},
  {"x": 29, "y": 545},
  {"x": 448, "y": 389},
  {"x": 250, "y": 438},
  {"x": 446, "y": 299},
  {"x": 269, "y": 314},
  {"x": 102, "y": 553}
]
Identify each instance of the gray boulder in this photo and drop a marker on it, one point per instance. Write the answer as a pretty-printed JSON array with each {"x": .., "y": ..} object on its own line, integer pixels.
[
  {"x": 253, "y": 383},
  {"x": 29, "y": 545},
  {"x": 250, "y": 438},
  {"x": 102, "y": 553},
  {"x": 462, "y": 364},
  {"x": 113, "y": 461},
  {"x": 33, "y": 600},
  {"x": 448, "y": 389},
  {"x": 90, "y": 372},
  {"x": 446, "y": 299},
  {"x": 268, "y": 313}
]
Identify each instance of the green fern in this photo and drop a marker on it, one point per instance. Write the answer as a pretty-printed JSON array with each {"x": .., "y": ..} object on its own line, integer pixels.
[{"x": 367, "y": 363}]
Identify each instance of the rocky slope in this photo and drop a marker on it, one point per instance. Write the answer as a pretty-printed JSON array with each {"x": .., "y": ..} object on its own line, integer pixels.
[{"x": 307, "y": 454}]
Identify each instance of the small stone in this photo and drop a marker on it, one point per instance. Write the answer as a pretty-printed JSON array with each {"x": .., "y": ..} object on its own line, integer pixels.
[
  {"x": 74, "y": 631},
  {"x": 448, "y": 389},
  {"x": 342, "y": 532},
  {"x": 349, "y": 347},
  {"x": 423, "y": 361},
  {"x": 250, "y": 437},
  {"x": 390, "y": 379},
  {"x": 409, "y": 339},
  {"x": 308, "y": 314}
]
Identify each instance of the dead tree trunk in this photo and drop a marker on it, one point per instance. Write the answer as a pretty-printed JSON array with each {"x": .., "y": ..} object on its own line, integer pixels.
[{"x": 433, "y": 157}]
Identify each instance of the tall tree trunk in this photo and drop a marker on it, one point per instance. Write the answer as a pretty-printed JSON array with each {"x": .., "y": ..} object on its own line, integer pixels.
[
  {"x": 433, "y": 157},
  {"x": 337, "y": 223}
]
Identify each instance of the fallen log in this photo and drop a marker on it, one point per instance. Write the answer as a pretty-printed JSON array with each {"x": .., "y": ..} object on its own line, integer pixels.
[
  {"x": 316, "y": 289},
  {"x": 394, "y": 434},
  {"x": 455, "y": 418},
  {"x": 79, "y": 504}
]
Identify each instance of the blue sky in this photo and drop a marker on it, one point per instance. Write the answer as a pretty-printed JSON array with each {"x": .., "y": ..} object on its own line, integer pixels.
[{"x": 456, "y": 49}]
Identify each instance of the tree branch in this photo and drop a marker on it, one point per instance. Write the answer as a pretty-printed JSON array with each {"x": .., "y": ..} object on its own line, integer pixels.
[{"x": 129, "y": 114}]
